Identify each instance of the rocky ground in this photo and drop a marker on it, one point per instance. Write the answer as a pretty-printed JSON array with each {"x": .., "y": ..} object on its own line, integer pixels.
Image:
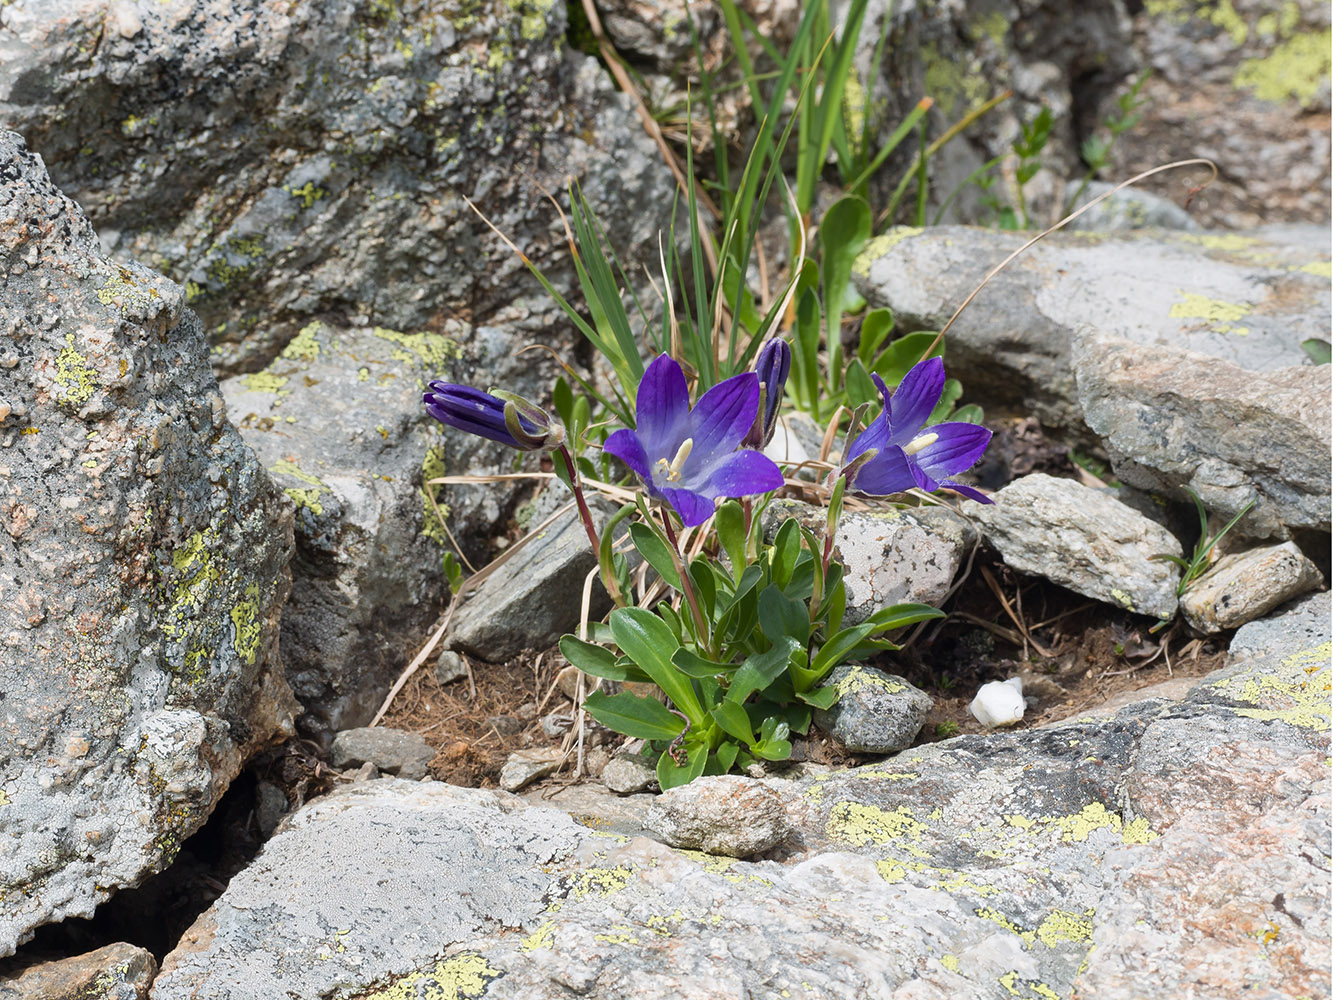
[{"x": 234, "y": 246}]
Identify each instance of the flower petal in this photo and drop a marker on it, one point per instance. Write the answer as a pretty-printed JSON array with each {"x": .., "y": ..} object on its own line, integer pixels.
[
  {"x": 890, "y": 471},
  {"x": 625, "y": 445},
  {"x": 876, "y": 435},
  {"x": 692, "y": 507},
  {"x": 965, "y": 490},
  {"x": 958, "y": 447},
  {"x": 915, "y": 398},
  {"x": 662, "y": 406},
  {"x": 742, "y": 474},
  {"x": 721, "y": 419}
]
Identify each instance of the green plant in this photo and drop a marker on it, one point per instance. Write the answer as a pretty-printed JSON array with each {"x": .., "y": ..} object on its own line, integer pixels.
[
  {"x": 1194, "y": 567},
  {"x": 1096, "y": 149}
]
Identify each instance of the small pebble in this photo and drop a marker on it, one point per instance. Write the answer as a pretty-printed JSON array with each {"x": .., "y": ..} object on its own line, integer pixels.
[
  {"x": 999, "y": 703},
  {"x": 556, "y": 724},
  {"x": 449, "y": 667}
]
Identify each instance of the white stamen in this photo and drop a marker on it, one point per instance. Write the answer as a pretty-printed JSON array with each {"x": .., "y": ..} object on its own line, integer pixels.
[
  {"x": 922, "y": 441},
  {"x": 673, "y": 468}
]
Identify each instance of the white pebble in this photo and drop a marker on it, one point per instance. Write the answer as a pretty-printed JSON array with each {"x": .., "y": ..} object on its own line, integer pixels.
[{"x": 999, "y": 703}]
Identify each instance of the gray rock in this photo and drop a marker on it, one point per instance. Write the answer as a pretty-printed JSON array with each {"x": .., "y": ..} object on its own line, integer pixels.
[
  {"x": 556, "y": 724},
  {"x": 527, "y": 766},
  {"x": 1171, "y": 420},
  {"x": 271, "y": 806},
  {"x": 116, "y": 972},
  {"x": 144, "y": 566},
  {"x": 1083, "y": 539},
  {"x": 367, "y": 572},
  {"x": 875, "y": 712},
  {"x": 449, "y": 667},
  {"x": 327, "y": 176},
  {"x": 1129, "y": 209},
  {"x": 626, "y": 775},
  {"x": 726, "y": 814},
  {"x": 1233, "y": 83},
  {"x": 890, "y": 556},
  {"x": 535, "y": 597},
  {"x": 1060, "y": 861},
  {"x": 1244, "y": 586},
  {"x": 1240, "y": 299},
  {"x": 405, "y": 754}
]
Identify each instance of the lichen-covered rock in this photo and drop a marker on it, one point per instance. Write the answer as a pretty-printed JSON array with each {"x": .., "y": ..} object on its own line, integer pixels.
[
  {"x": 116, "y": 972},
  {"x": 889, "y": 556},
  {"x": 1129, "y": 208},
  {"x": 292, "y": 162},
  {"x": 982, "y": 867},
  {"x": 1243, "y": 586},
  {"x": 337, "y": 420},
  {"x": 1239, "y": 82},
  {"x": 1174, "y": 419},
  {"x": 725, "y": 814},
  {"x": 1083, "y": 539},
  {"x": 875, "y": 712},
  {"x": 143, "y": 563},
  {"x": 1245, "y": 300}
]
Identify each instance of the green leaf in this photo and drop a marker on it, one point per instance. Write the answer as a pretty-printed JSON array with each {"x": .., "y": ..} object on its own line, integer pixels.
[
  {"x": 969, "y": 414},
  {"x": 634, "y": 715},
  {"x": 900, "y": 356},
  {"x": 1318, "y": 349},
  {"x": 705, "y": 584},
  {"x": 731, "y": 717},
  {"x": 779, "y": 615},
  {"x": 842, "y": 234},
  {"x": 729, "y": 523},
  {"x": 836, "y": 649},
  {"x": 692, "y": 664},
  {"x": 670, "y": 775},
  {"x": 786, "y": 547},
  {"x": 761, "y": 669},
  {"x": 655, "y": 552},
  {"x": 599, "y": 661},
  {"x": 875, "y": 329},
  {"x": 722, "y": 759},
  {"x": 649, "y": 642},
  {"x": 821, "y": 697},
  {"x": 953, "y": 389},
  {"x": 858, "y": 386},
  {"x": 898, "y": 615}
]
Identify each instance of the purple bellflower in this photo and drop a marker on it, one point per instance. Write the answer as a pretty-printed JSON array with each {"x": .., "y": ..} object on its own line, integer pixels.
[
  {"x": 772, "y": 366},
  {"x": 499, "y": 416},
  {"x": 688, "y": 457},
  {"x": 898, "y": 452}
]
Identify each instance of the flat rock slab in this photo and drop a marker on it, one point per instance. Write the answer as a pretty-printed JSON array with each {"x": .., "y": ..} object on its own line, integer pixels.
[
  {"x": 1245, "y": 300},
  {"x": 116, "y": 972},
  {"x": 1243, "y": 586},
  {"x": 1083, "y": 539},
  {"x": 1043, "y": 863},
  {"x": 143, "y": 566}
]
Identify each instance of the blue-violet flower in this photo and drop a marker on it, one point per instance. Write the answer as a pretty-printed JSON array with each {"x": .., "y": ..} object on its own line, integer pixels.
[
  {"x": 772, "y": 366},
  {"x": 687, "y": 457},
  {"x": 898, "y": 452},
  {"x": 499, "y": 416}
]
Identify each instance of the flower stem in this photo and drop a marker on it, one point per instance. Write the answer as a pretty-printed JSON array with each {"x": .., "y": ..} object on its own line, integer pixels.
[
  {"x": 686, "y": 583},
  {"x": 585, "y": 515}
]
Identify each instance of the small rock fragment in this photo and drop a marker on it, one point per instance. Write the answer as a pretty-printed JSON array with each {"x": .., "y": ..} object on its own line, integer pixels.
[
  {"x": 1247, "y": 585},
  {"x": 626, "y": 774},
  {"x": 405, "y": 754},
  {"x": 725, "y": 814},
  {"x": 556, "y": 724},
  {"x": 999, "y": 703},
  {"x": 270, "y": 806},
  {"x": 449, "y": 667},
  {"x": 875, "y": 712},
  {"x": 116, "y": 972},
  {"x": 527, "y": 766}
]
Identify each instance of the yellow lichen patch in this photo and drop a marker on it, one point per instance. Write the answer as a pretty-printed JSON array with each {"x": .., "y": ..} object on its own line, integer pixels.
[
  {"x": 121, "y": 289},
  {"x": 620, "y": 934},
  {"x": 195, "y": 577},
  {"x": 1220, "y": 315},
  {"x": 599, "y": 881},
  {"x": 858, "y": 678},
  {"x": 881, "y": 245},
  {"x": 305, "y": 345},
  {"x": 540, "y": 939},
  {"x": 74, "y": 374},
  {"x": 307, "y": 194},
  {"x": 714, "y": 863},
  {"x": 1077, "y": 827},
  {"x": 1294, "y": 70},
  {"x": 950, "y": 962},
  {"x": 1064, "y": 925},
  {"x": 532, "y": 23},
  {"x": 463, "y": 977},
  {"x": 1319, "y": 268},
  {"x": 432, "y": 350},
  {"x": 265, "y": 382},
  {"x": 859, "y": 824},
  {"x": 245, "y": 619},
  {"x": 1137, "y": 832},
  {"x": 665, "y": 926},
  {"x": 1296, "y": 696},
  {"x": 433, "y": 512},
  {"x": 306, "y": 499},
  {"x": 4, "y": 798}
]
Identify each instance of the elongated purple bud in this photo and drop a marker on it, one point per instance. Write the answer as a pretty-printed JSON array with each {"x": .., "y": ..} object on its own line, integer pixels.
[
  {"x": 506, "y": 418},
  {"x": 772, "y": 366}
]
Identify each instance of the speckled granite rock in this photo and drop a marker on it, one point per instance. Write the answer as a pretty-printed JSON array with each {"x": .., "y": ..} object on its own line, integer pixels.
[
  {"x": 292, "y": 162},
  {"x": 1172, "y": 419},
  {"x": 1245, "y": 300},
  {"x": 726, "y": 814},
  {"x": 116, "y": 972},
  {"x": 890, "y": 556},
  {"x": 1241, "y": 587},
  {"x": 981, "y": 867},
  {"x": 1083, "y": 539},
  {"x": 143, "y": 567},
  {"x": 875, "y": 712}
]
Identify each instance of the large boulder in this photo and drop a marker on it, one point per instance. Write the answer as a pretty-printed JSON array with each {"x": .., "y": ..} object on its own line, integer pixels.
[
  {"x": 291, "y": 162},
  {"x": 143, "y": 563},
  {"x": 1037, "y": 863}
]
